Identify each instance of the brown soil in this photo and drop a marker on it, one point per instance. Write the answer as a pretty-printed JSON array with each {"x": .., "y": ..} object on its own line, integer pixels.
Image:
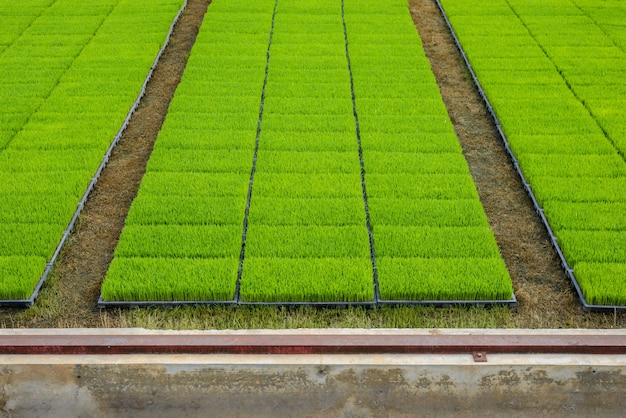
[{"x": 546, "y": 297}]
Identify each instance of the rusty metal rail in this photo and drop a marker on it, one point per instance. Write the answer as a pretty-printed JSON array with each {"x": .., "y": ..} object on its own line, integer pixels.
[{"x": 313, "y": 344}]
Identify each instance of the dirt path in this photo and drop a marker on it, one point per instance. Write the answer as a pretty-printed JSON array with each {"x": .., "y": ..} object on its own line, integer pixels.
[{"x": 546, "y": 298}]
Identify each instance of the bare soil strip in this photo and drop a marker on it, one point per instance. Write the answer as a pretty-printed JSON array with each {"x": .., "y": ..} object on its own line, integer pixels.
[{"x": 546, "y": 298}]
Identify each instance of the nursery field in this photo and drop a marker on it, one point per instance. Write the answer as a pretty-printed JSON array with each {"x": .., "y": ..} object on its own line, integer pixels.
[
  {"x": 69, "y": 77},
  {"x": 346, "y": 175},
  {"x": 554, "y": 73},
  {"x": 310, "y": 154}
]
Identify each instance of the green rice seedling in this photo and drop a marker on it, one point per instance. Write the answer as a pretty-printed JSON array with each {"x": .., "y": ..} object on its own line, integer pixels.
[
  {"x": 66, "y": 183},
  {"x": 396, "y": 106},
  {"x": 580, "y": 189},
  {"x": 421, "y": 186},
  {"x": 440, "y": 279},
  {"x": 224, "y": 37},
  {"x": 381, "y": 39},
  {"x": 308, "y": 162},
  {"x": 414, "y": 142},
  {"x": 290, "y": 75},
  {"x": 310, "y": 211},
  {"x": 109, "y": 105},
  {"x": 518, "y": 51},
  {"x": 19, "y": 276},
  {"x": 487, "y": 8},
  {"x": 48, "y": 160},
  {"x": 32, "y": 139},
  {"x": 532, "y": 77},
  {"x": 192, "y": 241},
  {"x": 29, "y": 239},
  {"x": 505, "y": 25},
  {"x": 592, "y": 52},
  {"x": 206, "y": 104},
  {"x": 309, "y": 123},
  {"x": 405, "y": 124},
  {"x": 380, "y": 162},
  {"x": 602, "y": 283},
  {"x": 550, "y": 126},
  {"x": 520, "y": 64},
  {"x": 280, "y": 140},
  {"x": 560, "y": 144},
  {"x": 86, "y": 25},
  {"x": 285, "y": 37},
  {"x": 16, "y": 107},
  {"x": 567, "y": 165},
  {"x": 331, "y": 62},
  {"x": 167, "y": 183},
  {"x": 423, "y": 212},
  {"x": 237, "y": 75},
  {"x": 305, "y": 89},
  {"x": 313, "y": 49},
  {"x": 219, "y": 89},
  {"x": 170, "y": 279},
  {"x": 33, "y": 209},
  {"x": 567, "y": 107},
  {"x": 224, "y": 62},
  {"x": 175, "y": 137},
  {"x": 246, "y": 121},
  {"x": 305, "y": 24},
  {"x": 187, "y": 210},
  {"x": 209, "y": 161},
  {"x": 307, "y": 280},
  {"x": 12, "y": 122},
  {"x": 434, "y": 242},
  {"x": 313, "y": 185},
  {"x": 598, "y": 216},
  {"x": 593, "y": 246},
  {"x": 307, "y": 106},
  {"x": 306, "y": 241},
  {"x": 301, "y": 25},
  {"x": 504, "y": 93},
  {"x": 368, "y": 65}
]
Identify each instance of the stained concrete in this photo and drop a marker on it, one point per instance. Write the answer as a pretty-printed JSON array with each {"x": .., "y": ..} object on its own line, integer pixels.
[{"x": 221, "y": 385}]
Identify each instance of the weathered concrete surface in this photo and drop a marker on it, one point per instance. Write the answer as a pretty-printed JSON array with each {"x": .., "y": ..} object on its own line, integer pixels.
[{"x": 387, "y": 385}]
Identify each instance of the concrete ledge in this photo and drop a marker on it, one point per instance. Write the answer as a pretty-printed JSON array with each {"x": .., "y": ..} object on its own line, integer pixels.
[{"x": 316, "y": 385}]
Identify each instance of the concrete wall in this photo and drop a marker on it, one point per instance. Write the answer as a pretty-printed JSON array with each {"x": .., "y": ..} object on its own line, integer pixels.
[{"x": 377, "y": 385}]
